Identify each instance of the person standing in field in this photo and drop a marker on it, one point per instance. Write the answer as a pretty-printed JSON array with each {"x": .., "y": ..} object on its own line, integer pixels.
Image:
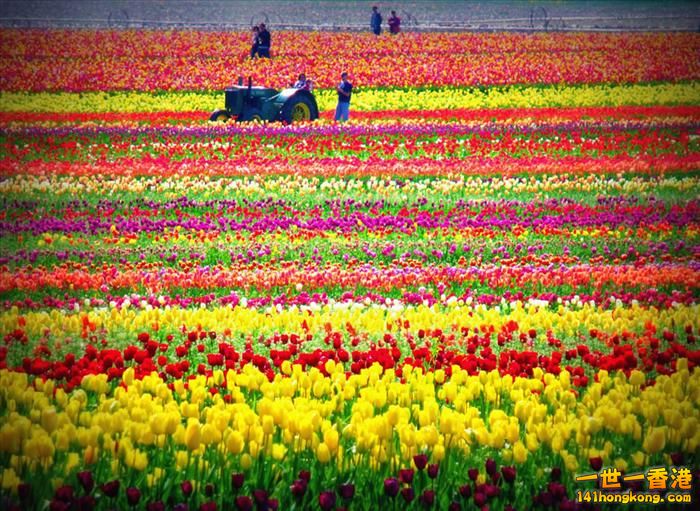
[
  {"x": 255, "y": 42},
  {"x": 344, "y": 89},
  {"x": 264, "y": 42},
  {"x": 394, "y": 23},
  {"x": 376, "y": 21}
]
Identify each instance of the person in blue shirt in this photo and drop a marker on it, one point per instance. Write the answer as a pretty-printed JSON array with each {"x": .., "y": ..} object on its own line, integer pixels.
[
  {"x": 342, "y": 111},
  {"x": 376, "y": 21}
]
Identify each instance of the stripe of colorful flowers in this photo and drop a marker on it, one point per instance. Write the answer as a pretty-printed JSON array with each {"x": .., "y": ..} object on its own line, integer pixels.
[
  {"x": 484, "y": 284},
  {"x": 194, "y": 60}
]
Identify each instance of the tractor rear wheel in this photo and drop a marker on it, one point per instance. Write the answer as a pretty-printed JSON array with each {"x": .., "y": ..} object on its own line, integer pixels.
[
  {"x": 251, "y": 115},
  {"x": 299, "y": 108},
  {"x": 219, "y": 116}
]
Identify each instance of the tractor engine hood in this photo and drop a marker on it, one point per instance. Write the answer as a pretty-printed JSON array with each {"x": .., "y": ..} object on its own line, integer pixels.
[{"x": 281, "y": 98}]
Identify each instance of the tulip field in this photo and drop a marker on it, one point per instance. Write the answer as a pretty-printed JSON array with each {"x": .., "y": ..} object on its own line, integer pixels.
[{"x": 483, "y": 285}]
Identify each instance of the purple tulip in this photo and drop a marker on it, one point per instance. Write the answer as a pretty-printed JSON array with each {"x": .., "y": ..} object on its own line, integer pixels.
[
  {"x": 133, "y": 495},
  {"x": 24, "y": 491},
  {"x": 433, "y": 469},
  {"x": 64, "y": 493},
  {"x": 408, "y": 494},
  {"x": 86, "y": 480},
  {"x": 420, "y": 460},
  {"x": 187, "y": 488},
  {"x": 491, "y": 467},
  {"x": 244, "y": 503},
  {"x": 406, "y": 475},
  {"x": 347, "y": 491},
  {"x": 508, "y": 474},
  {"x": 428, "y": 498},
  {"x": 391, "y": 486},
  {"x": 298, "y": 488},
  {"x": 260, "y": 496},
  {"x": 326, "y": 499},
  {"x": 111, "y": 488},
  {"x": 237, "y": 481}
]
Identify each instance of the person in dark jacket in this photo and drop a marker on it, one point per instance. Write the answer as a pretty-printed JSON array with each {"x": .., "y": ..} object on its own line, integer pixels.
[
  {"x": 264, "y": 39},
  {"x": 376, "y": 21},
  {"x": 344, "y": 89},
  {"x": 255, "y": 43},
  {"x": 394, "y": 23}
]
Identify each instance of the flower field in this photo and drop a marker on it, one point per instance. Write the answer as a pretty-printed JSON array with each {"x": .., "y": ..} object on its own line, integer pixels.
[{"x": 483, "y": 285}]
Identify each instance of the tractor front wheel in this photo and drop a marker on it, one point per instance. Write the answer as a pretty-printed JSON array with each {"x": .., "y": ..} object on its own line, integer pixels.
[
  {"x": 251, "y": 115},
  {"x": 299, "y": 108},
  {"x": 219, "y": 116}
]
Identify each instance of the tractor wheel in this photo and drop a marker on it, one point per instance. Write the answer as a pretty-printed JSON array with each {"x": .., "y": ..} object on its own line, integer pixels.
[
  {"x": 219, "y": 116},
  {"x": 299, "y": 108},
  {"x": 251, "y": 115}
]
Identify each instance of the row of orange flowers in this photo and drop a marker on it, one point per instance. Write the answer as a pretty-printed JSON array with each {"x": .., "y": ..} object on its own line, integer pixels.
[{"x": 262, "y": 276}]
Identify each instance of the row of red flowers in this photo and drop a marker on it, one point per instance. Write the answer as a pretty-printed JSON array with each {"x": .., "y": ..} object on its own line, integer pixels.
[{"x": 507, "y": 350}]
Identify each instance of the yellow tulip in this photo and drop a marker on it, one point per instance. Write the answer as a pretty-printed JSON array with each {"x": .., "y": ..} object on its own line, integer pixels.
[
  {"x": 331, "y": 439},
  {"x": 193, "y": 435},
  {"x": 9, "y": 480},
  {"x": 655, "y": 440},
  {"x": 323, "y": 453},
  {"x": 246, "y": 461},
  {"x": 519, "y": 453},
  {"x": 235, "y": 442}
]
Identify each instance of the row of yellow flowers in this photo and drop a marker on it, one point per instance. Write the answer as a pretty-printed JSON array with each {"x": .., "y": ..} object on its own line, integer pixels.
[
  {"x": 371, "y": 99},
  {"x": 372, "y": 188},
  {"x": 368, "y": 419},
  {"x": 371, "y": 318}
]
